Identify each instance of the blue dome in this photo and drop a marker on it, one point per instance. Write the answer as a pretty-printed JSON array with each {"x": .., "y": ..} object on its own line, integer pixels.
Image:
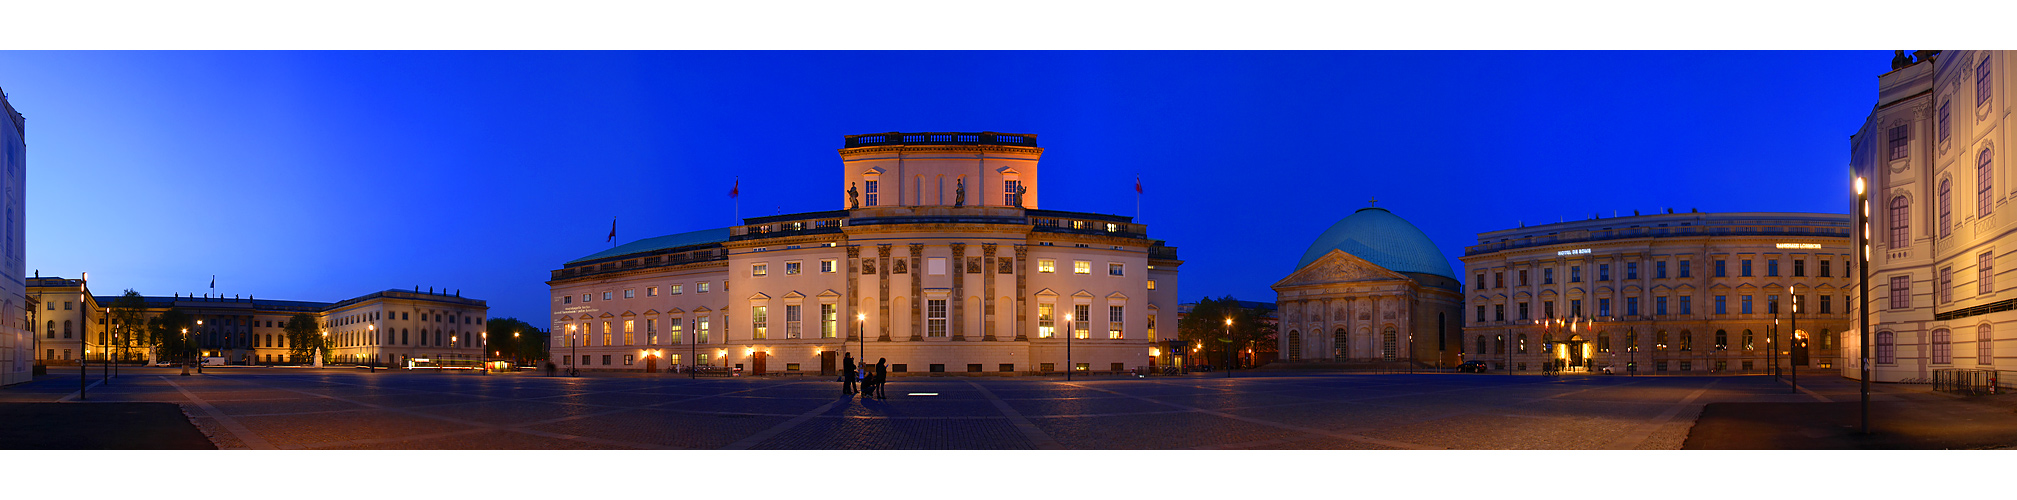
[{"x": 1379, "y": 237}]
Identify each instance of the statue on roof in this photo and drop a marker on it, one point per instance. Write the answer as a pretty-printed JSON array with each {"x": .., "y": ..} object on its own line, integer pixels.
[
  {"x": 959, "y": 193},
  {"x": 1019, "y": 194},
  {"x": 853, "y": 197}
]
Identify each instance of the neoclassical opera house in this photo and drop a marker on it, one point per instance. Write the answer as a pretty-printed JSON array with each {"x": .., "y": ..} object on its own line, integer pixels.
[
  {"x": 1371, "y": 288},
  {"x": 937, "y": 258}
]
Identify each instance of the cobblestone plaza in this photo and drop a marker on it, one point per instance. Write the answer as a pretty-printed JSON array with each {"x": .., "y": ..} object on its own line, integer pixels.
[{"x": 275, "y": 408}]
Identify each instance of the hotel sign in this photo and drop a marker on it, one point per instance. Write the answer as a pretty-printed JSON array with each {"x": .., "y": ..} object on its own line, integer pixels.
[
  {"x": 1799, "y": 245},
  {"x": 1578, "y": 251}
]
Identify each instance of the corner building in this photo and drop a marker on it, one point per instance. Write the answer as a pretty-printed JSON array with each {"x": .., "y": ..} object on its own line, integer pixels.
[
  {"x": 17, "y": 343},
  {"x": 940, "y": 262},
  {"x": 1689, "y": 293},
  {"x": 1935, "y": 152}
]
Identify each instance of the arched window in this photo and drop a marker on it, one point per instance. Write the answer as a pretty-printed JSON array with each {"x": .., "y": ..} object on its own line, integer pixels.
[
  {"x": 1722, "y": 340},
  {"x": 1985, "y": 178},
  {"x": 1687, "y": 340},
  {"x": 1499, "y": 344},
  {"x": 1481, "y": 344},
  {"x": 1295, "y": 345},
  {"x": 52, "y": 329},
  {"x": 1659, "y": 340},
  {"x": 1827, "y": 339},
  {"x": 1603, "y": 342},
  {"x": 1942, "y": 347},
  {"x": 66, "y": 328},
  {"x": 1341, "y": 344},
  {"x": 1389, "y": 346},
  {"x": 402, "y": 336},
  {"x": 1523, "y": 343},
  {"x": 1985, "y": 351},
  {"x": 1750, "y": 340},
  {"x": 1631, "y": 339},
  {"x": 1901, "y": 220},
  {"x": 1946, "y": 207},
  {"x": 1886, "y": 351}
]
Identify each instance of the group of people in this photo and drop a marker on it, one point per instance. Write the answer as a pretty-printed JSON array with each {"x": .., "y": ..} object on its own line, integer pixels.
[{"x": 866, "y": 380}]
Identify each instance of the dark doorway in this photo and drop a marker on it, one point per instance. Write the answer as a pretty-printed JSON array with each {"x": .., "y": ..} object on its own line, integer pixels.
[
  {"x": 827, "y": 363},
  {"x": 757, "y": 362}
]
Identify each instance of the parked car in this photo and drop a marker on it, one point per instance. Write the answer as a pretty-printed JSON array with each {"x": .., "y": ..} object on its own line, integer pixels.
[{"x": 1472, "y": 367}]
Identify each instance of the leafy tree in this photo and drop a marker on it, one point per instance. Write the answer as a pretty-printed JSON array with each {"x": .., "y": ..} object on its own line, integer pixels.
[
  {"x": 1205, "y": 327},
  {"x": 304, "y": 337},
  {"x": 129, "y": 319},
  {"x": 528, "y": 344},
  {"x": 169, "y": 333}
]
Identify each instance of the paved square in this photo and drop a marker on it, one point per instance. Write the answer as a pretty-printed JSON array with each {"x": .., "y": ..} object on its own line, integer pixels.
[{"x": 287, "y": 408}]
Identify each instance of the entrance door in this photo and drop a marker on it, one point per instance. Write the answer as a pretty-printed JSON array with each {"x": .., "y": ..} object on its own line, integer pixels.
[
  {"x": 757, "y": 363},
  {"x": 1800, "y": 352},
  {"x": 1575, "y": 354},
  {"x": 827, "y": 364},
  {"x": 651, "y": 364}
]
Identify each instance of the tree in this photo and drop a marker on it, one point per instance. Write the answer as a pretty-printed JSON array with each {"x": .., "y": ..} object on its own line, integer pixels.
[
  {"x": 169, "y": 332},
  {"x": 129, "y": 319},
  {"x": 1205, "y": 328},
  {"x": 304, "y": 337},
  {"x": 528, "y": 344}
]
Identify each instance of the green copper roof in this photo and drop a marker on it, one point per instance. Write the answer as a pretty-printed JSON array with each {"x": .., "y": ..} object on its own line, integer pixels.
[
  {"x": 701, "y": 237},
  {"x": 1380, "y": 237}
]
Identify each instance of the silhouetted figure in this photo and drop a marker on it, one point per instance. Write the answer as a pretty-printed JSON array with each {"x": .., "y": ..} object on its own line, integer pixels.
[
  {"x": 853, "y": 197},
  {"x": 847, "y": 374},
  {"x": 959, "y": 194},
  {"x": 1019, "y": 195},
  {"x": 881, "y": 376}
]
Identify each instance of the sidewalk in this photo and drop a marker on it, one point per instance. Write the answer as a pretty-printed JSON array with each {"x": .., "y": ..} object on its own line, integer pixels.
[{"x": 1902, "y": 417}]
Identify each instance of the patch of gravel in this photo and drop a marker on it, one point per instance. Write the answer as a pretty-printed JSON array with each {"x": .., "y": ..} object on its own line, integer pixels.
[{"x": 211, "y": 429}]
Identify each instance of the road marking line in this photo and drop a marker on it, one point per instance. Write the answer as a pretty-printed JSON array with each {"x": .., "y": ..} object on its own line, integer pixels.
[
  {"x": 238, "y": 430},
  {"x": 1037, "y": 437},
  {"x": 73, "y": 394},
  {"x": 754, "y": 439},
  {"x": 1321, "y": 432},
  {"x": 1629, "y": 442}
]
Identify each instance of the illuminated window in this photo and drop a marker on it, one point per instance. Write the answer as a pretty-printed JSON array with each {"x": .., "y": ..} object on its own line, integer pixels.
[
  {"x": 700, "y": 328},
  {"x": 608, "y": 335},
  {"x": 700, "y": 287},
  {"x": 1111, "y": 227},
  {"x": 651, "y": 291},
  {"x": 1901, "y": 142},
  {"x": 1046, "y": 320},
  {"x": 791, "y": 268},
  {"x": 791, "y": 321},
  {"x": 1113, "y": 269},
  {"x": 1047, "y": 266},
  {"x": 650, "y": 331},
  {"x": 759, "y": 322},
  {"x": 829, "y": 321},
  {"x": 757, "y": 270},
  {"x": 675, "y": 289},
  {"x": 1082, "y": 267},
  {"x": 1152, "y": 284},
  {"x": 672, "y": 333},
  {"x": 1152, "y": 324},
  {"x": 829, "y": 265},
  {"x": 629, "y": 331},
  {"x": 1115, "y": 315},
  {"x": 1082, "y": 321}
]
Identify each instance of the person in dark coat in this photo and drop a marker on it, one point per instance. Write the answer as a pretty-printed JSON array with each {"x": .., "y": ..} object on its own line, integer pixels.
[
  {"x": 881, "y": 376},
  {"x": 847, "y": 374}
]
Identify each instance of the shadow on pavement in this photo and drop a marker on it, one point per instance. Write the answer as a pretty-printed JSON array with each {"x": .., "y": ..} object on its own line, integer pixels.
[
  {"x": 98, "y": 426},
  {"x": 1894, "y": 425}
]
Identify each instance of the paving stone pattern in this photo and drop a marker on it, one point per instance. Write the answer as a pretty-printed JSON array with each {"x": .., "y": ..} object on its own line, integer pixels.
[{"x": 281, "y": 408}]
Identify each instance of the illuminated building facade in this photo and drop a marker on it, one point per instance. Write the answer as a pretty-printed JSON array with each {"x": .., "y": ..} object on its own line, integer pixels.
[
  {"x": 388, "y": 327},
  {"x": 1687, "y": 293},
  {"x": 16, "y": 343},
  {"x": 939, "y": 261},
  {"x": 1935, "y": 153},
  {"x": 1371, "y": 288}
]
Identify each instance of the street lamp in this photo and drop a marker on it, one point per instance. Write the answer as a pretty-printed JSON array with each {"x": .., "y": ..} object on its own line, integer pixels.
[
  {"x": 321, "y": 348},
  {"x": 1070, "y": 331},
  {"x": 861, "y": 334},
  {"x": 517, "y": 353},
  {"x": 1863, "y": 296},
  {"x": 185, "y": 352},
  {"x": 1229, "y": 347},
  {"x": 186, "y": 345},
  {"x": 1792, "y": 368},
  {"x": 573, "y": 348},
  {"x": 373, "y": 366}
]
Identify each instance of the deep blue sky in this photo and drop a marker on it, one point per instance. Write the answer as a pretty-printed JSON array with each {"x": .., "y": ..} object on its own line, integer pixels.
[{"x": 326, "y": 175}]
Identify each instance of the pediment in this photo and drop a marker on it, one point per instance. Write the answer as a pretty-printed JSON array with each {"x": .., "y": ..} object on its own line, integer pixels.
[
  {"x": 829, "y": 293},
  {"x": 1684, "y": 290},
  {"x": 873, "y": 171},
  {"x": 1660, "y": 289},
  {"x": 1549, "y": 293},
  {"x": 794, "y": 295},
  {"x": 607, "y": 315},
  {"x": 702, "y": 310},
  {"x": 650, "y": 312},
  {"x": 1718, "y": 287},
  {"x": 628, "y": 314},
  {"x": 566, "y": 318},
  {"x": 1825, "y": 288},
  {"x": 1116, "y": 296},
  {"x": 1338, "y": 267},
  {"x": 1082, "y": 294},
  {"x": 1047, "y": 293},
  {"x": 760, "y": 296},
  {"x": 1522, "y": 296},
  {"x": 1747, "y": 287},
  {"x": 675, "y": 310}
]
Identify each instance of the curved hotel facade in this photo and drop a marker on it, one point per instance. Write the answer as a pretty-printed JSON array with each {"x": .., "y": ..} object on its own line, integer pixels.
[
  {"x": 1935, "y": 153},
  {"x": 1687, "y": 293},
  {"x": 940, "y": 261}
]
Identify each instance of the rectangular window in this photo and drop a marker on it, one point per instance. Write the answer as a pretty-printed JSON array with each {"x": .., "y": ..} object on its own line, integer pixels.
[
  {"x": 1152, "y": 284},
  {"x": 1799, "y": 267},
  {"x": 1631, "y": 306},
  {"x": 630, "y": 293},
  {"x": 1687, "y": 305},
  {"x": 870, "y": 190},
  {"x": 1945, "y": 130},
  {"x": 606, "y": 295},
  {"x": 650, "y": 331},
  {"x": 1113, "y": 269},
  {"x": 1771, "y": 304},
  {"x": 1722, "y": 304},
  {"x": 1603, "y": 307},
  {"x": 700, "y": 287},
  {"x": 700, "y": 327},
  {"x": 1631, "y": 270},
  {"x": 1523, "y": 311},
  {"x": 605, "y": 359},
  {"x": 1152, "y": 324},
  {"x": 1824, "y": 268},
  {"x": 672, "y": 332},
  {"x": 1046, "y": 320},
  {"x": 1011, "y": 193},
  {"x": 1523, "y": 277},
  {"x": 1720, "y": 269},
  {"x": 1575, "y": 274},
  {"x": 1660, "y": 269},
  {"x": 829, "y": 321},
  {"x": 935, "y": 266},
  {"x": 1901, "y": 142},
  {"x": 1985, "y": 273},
  {"x": 1481, "y": 281},
  {"x": 934, "y": 314},
  {"x": 676, "y": 289},
  {"x": 759, "y": 322},
  {"x": 1548, "y": 276},
  {"x": 1499, "y": 312},
  {"x": 1115, "y": 316},
  {"x": 651, "y": 291},
  {"x": 829, "y": 265},
  {"x": 1082, "y": 267},
  {"x": 1082, "y": 321},
  {"x": 1826, "y": 304},
  {"x": 1603, "y": 272},
  {"x": 1481, "y": 314},
  {"x": 1744, "y": 268},
  {"x": 1901, "y": 292},
  {"x": 1047, "y": 266},
  {"x": 1684, "y": 269},
  {"x": 791, "y": 268},
  {"x": 1499, "y": 279},
  {"x": 759, "y": 270},
  {"x": 1745, "y": 308},
  {"x": 1548, "y": 309},
  {"x": 608, "y": 335},
  {"x": 1982, "y": 82},
  {"x": 1660, "y": 306},
  {"x": 1772, "y": 267},
  {"x": 1944, "y": 289},
  {"x": 566, "y": 299},
  {"x": 792, "y": 329},
  {"x": 1575, "y": 308},
  {"x": 629, "y": 332}
]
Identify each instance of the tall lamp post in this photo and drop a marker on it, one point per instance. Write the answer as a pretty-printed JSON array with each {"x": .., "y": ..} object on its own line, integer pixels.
[
  {"x": 517, "y": 352},
  {"x": 373, "y": 366},
  {"x": 187, "y": 346},
  {"x": 1070, "y": 330},
  {"x": 573, "y": 348},
  {"x": 1863, "y": 296},
  {"x": 185, "y": 352},
  {"x": 1793, "y": 342},
  {"x": 861, "y": 335},
  {"x": 1229, "y": 348}
]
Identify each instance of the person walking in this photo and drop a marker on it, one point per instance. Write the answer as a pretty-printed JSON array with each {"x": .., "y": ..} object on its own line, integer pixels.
[
  {"x": 881, "y": 376},
  {"x": 847, "y": 374}
]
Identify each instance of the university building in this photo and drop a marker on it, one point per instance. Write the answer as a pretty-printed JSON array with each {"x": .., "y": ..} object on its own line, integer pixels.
[
  {"x": 1935, "y": 156},
  {"x": 388, "y": 327},
  {"x": 1371, "y": 288},
  {"x": 939, "y": 260},
  {"x": 16, "y": 344},
  {"x": 1671, "y": 293}
]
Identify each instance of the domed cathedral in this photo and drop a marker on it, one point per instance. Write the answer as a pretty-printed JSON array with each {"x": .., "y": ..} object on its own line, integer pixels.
[
  {"x": 1371, "y": 288},
  {"x": 936, "y": 259},
  {"x": 1935, "y": 154}
]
